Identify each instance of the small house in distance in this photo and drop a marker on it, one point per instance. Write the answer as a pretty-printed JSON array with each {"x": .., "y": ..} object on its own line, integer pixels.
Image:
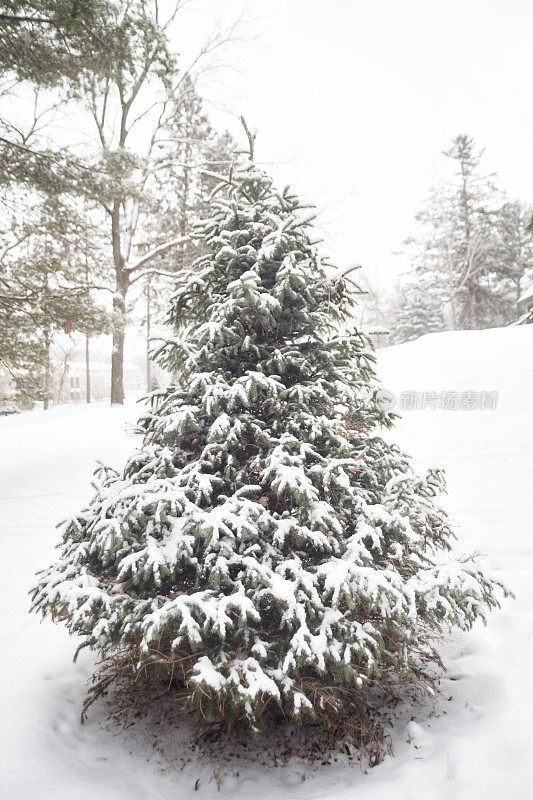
[{"x": 100, "y": 373}]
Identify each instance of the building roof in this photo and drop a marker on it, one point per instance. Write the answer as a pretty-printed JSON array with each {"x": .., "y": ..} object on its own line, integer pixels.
[{"x": 526, "y": 295}]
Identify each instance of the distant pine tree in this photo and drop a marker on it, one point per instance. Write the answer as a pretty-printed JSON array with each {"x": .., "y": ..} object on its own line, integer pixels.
[
  {"x": 415, "y": 312},
  {"x": 265, "y": 550},
  {"x": 472, "y": 245}
]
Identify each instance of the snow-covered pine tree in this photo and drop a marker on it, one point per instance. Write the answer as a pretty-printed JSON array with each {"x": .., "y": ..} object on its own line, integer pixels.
[{"x": 265, "y": 549}]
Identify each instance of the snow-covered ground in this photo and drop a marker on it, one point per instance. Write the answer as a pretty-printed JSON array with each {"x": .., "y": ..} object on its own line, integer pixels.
[{"x": 478, "y": 742}]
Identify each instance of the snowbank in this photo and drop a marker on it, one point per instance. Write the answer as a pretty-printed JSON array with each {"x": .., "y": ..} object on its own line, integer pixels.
[{"x": 497, "y": 358}]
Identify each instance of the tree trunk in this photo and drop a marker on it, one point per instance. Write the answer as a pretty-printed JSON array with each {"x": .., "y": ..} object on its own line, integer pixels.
[
  {"x": 87, "y": 338},
  {"x": 119, "y": 310},
  {"x": 63, "y": 376},
  {"x": 87, "y": 371},
  {"x": 117, "y": 354},
  {"x": 454, "y": 314},
  {"x": 472, "y": 308},
  {"x": 148, "y": 334},
  {"x": 47, "y": 371}
]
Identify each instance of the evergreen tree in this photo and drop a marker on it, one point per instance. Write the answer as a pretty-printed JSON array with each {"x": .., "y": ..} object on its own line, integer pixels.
[
  {"x": 52, "y": 44},
  {"x": 265, "y": 549},
  {"x": 48, "y": 42},
  {"x": 472, "y": 245},
  {"x": 415, "y": 311},
  {"x": 513, "y": 260},
  {"x": 192, "y": 158},
  {"x": 43, "y": 290}
]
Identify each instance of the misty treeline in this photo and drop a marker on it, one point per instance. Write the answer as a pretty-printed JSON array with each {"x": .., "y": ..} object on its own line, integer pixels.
[
  {"x": 470, "y": 255},
  {"x": 107, "y": 158}
]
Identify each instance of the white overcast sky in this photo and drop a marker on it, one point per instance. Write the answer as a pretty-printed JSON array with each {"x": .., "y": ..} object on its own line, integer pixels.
[{"x": 355, "y": 100}]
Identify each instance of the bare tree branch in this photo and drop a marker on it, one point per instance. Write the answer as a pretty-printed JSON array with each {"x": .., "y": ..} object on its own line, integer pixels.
[
  {"x": 148, "y": 272},
  {"x": 157, "y": 251}
]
